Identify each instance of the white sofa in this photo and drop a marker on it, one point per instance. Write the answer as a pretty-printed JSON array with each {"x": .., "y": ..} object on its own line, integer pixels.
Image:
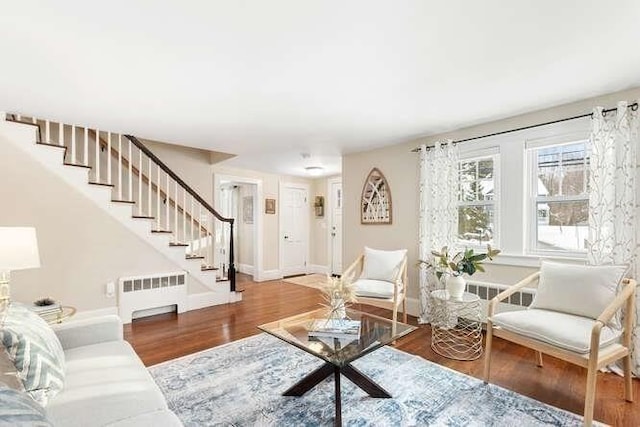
[{"x": 105, "y": 382}]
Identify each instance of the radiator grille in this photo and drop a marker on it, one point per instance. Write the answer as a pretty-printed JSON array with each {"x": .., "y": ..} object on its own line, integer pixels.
[
  {"x": 142, "y": 295},
  {"x": 487, "y": 291},
  {"x": 146, "y": 283}
]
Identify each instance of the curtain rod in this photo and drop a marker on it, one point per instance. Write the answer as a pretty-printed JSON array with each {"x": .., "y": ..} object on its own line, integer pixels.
[{"x": 633, "y": 106}]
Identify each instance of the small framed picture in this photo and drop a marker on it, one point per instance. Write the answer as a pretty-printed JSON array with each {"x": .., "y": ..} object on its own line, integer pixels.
[{"x": 270, "y": 206}]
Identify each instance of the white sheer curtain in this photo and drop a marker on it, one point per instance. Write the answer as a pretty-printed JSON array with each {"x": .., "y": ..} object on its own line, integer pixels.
[
  {"x": 613, "y": 207},
  {"x": 438, "y": 210}
]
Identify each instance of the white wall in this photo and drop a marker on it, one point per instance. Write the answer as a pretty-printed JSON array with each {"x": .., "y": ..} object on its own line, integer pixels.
[
  {"x": 400, "y": 167},
  {"x": 81, "y": 247},
  {"x": 245, "y": 229}
]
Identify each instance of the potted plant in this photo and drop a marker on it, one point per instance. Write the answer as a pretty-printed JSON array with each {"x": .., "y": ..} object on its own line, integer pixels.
[{"x": 456, "y": 266}]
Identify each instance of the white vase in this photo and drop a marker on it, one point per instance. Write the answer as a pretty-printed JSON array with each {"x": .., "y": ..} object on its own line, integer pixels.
[{"x": 455, "y": 286}]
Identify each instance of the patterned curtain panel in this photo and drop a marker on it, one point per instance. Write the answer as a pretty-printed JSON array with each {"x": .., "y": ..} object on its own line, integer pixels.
[
  {"x": 438, "y": 210},
  {"x": 613, "y": 207}
]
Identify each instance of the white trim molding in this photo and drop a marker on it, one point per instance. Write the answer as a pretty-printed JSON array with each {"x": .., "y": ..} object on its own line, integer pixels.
[{"x": 270, "y": 275}]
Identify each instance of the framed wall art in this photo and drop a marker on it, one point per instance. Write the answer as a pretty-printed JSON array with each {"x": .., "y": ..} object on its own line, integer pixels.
[
  {"x": 375, "y": 206},
  {"x": 270, "y": 206}
]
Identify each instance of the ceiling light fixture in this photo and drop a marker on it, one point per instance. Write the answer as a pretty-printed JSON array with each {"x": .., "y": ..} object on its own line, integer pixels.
[{"x": 314, "y": 170}]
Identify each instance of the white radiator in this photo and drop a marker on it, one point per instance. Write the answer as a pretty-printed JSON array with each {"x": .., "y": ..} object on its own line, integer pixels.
[
  {"x": 486, "y": 291},
  {"x": 139, "y": 293}
]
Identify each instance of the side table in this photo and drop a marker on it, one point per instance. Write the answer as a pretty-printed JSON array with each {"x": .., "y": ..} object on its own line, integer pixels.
[{"x": 456, "y": 327}]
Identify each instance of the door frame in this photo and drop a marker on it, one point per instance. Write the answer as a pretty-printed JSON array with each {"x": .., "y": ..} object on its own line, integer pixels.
[
  {"x": 258, "y": 235},
  {"x": 306, "y": 221},
  {"x": 330, "y": 182}
]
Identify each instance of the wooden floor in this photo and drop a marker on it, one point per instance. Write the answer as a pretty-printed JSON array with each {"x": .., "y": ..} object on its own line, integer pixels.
[{"x": 164, "y": 337}]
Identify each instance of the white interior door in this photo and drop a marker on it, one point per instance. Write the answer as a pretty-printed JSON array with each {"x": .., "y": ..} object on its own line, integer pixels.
[
  {"x": 294, "y": 230},
  {"x": 335, "y": 192}
]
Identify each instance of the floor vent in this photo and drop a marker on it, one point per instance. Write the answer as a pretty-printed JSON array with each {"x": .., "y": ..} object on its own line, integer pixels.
[
  {"x": 150, "y": 294},
  {"x": 487, "y": 291}
]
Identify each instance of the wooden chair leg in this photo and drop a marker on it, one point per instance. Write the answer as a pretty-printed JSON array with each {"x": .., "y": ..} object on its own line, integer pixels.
[
  {"x": 487, "y": 351},
  {"x": 628, "y": 385},
  {"x": 539, "y": 358},
  {"x": 590, "y": 395},
  {"x": 404, "y": 310}
]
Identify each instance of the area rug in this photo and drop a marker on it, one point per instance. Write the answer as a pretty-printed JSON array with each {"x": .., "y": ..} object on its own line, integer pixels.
[
  {"x": 240, "y": 384},
  {"x": 310, "y": 280}
]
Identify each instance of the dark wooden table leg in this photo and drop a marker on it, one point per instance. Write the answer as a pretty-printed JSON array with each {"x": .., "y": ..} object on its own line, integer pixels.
[
  {"x": 359, "y": 379},
  {"x": 310, "y": 381},
  {"x": 338, "y": 420}
]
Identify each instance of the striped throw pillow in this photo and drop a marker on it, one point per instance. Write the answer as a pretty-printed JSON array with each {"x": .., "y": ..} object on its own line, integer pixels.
[
  {"x": 18, "y": 409},
  {"x": 35, "y": 351}
]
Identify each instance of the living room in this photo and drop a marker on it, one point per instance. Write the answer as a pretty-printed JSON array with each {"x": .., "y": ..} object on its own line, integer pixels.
[{"x": 522, "y": 80}]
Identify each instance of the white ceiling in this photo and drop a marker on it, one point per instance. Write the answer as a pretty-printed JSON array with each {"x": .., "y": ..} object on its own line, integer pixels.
[{"x": 269, "y": 80}]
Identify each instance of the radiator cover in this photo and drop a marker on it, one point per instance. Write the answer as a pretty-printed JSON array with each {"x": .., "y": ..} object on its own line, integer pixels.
[{"x": 138, "y": 293}]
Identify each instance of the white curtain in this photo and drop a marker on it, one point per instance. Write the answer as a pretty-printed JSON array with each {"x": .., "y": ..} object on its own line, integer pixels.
[
  {"x": 438, "y": 210},
  {"x": 614, "y": 184}
]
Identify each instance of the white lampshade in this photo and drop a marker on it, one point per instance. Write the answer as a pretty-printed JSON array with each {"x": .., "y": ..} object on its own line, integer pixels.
[{"x": 18, "y": 248}]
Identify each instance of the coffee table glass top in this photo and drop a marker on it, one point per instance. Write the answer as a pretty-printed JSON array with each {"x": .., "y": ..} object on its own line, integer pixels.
[{"x": 374, "y": 333}]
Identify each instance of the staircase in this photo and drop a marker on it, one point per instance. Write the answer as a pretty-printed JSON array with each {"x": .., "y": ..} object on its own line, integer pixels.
[{"x": 142, "y": 192}]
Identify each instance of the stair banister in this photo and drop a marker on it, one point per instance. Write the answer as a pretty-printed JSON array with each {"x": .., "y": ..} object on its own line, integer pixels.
[{"x": 196, "y": 196}]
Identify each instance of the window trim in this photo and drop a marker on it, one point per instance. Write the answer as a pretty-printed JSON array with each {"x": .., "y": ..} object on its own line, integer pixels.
[
  {"x": 533, "y": 199},
  {"x": 476, "y": 155}
]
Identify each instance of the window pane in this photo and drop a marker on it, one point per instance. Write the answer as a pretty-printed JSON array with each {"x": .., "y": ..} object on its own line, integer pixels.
[
  {"x": 475, "y": 224},
  {"x": 562, "y": 226},
  {"x": 485, "y": 169},
  {"x": 476, "y": 180},
  {"x": 561, "y": 170}
]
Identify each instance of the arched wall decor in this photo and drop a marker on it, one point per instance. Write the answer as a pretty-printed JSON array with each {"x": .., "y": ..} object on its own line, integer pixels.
[{"x": 375, "y": 205}]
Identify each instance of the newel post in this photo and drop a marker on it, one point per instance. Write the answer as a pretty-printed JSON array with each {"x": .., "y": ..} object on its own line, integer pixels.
[{"x": 232, "y": 265}]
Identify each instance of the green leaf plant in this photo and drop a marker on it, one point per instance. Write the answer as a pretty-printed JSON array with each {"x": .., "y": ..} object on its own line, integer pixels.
[{"x": 462, "y": 262}]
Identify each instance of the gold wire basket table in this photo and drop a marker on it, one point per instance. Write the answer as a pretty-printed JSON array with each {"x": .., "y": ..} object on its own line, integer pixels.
[{"x": 456, "y": 326}]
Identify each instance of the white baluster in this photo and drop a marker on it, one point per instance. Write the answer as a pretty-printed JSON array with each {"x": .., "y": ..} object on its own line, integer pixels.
[
  {"x": 175, "y": 212},
  {"x": 19, "y": 117},
  {"x": 130, "y": 173},
  {"x": 139, "y": 182},
  {"x": 184, "y": 215},
  {"x": 149, "y": 211},
  {"x": 167, "y": 207},
  {"x": 98, "y": 155},
  {"x": 120, "y": 167},
  {"x": 193, "y": 228},
  {"x": 61, "y": 133},
  {"x": 73, "y": 144},
  {"x": 158, "y": 223},
  {"x": 199, "y": 229},
  {"x": 86, "y": 146},
  {"x": 47, "y": 132},
  {"x": 109, "y": 181},
  {"x": 34, "y": 120}
]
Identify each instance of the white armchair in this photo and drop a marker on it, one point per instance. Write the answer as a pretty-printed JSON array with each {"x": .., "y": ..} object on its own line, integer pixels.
[
  {"x": 573, "y": 318},
  {"x": 380, "y": 279}
]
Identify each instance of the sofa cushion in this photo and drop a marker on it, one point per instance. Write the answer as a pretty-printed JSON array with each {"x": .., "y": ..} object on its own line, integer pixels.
[
  {"x": 19, "y": 409},
  {"x": 577, "y": 289},
  {"x": 373, "y": 288},
  {"x": 105, "y": 383},
  {"x": 381, "y": 265},
  {"x": 35, "y": 351},
  {"x": 562, "y": 330}
]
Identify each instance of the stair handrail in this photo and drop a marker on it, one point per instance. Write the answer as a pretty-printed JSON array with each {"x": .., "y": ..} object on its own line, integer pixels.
[{"x": 195, "y": 195}]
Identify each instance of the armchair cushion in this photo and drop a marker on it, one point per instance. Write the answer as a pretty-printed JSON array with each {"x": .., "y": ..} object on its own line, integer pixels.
[
  {"x": 373, "y": 288},
  {"x": 577, "y": 289},
  {"x": 382, "y": 265},
  {"x": 562, "y": 330}
]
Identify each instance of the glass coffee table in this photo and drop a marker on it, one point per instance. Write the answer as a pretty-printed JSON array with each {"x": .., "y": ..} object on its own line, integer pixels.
[{"x": 337, "y": 353}]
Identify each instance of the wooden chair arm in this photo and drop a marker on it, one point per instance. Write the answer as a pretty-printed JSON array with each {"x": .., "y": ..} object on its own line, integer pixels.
[
  {"x": 511, "y": 290},
  {"x": 354, "y": 268},
  {"x": 627, "y": 292}
]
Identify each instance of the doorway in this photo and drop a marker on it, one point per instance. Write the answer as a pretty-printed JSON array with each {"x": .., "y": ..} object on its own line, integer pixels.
[
  {"x": 294, "y": 228},
  {"x": 239, "y": 198},
  {"x": 334, "y": 210}
]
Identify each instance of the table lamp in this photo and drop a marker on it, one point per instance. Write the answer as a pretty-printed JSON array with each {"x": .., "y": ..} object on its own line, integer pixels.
[{"x": 18, "y": 251}]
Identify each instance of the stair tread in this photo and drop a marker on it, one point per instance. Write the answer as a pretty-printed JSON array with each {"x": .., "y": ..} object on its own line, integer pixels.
[
  {"x": 123, "y": 201},
  {"x": 48, "y": 144},
  {"x": 194, "y": 257},
  {"x": 161, "y": 231},
  {"x": 104, "y": 184},
  {"x": 208, "y": 268},
  {"x": 178, "y": 244},
  {"x": 77, "y": 165},
  {"x": 143, "y": 217}
]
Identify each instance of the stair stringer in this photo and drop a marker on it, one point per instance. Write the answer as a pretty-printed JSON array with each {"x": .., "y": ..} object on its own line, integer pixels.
[{"x": 52, "y": 158}]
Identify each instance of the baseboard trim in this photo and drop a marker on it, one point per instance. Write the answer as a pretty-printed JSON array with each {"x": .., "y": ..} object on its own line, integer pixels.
[
  {"x": 245, "y": 268},
  {"x": 201, "y": 300},
  {"x": 87, "y": 314},
  {"x": 317, "y": 269},
  {"x": 270, "y": 275},
  {"x": 413, "y": 306}
]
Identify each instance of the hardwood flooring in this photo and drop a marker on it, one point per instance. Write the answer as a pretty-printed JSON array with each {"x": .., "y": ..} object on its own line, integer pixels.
[{"x": 164, "y": 337}]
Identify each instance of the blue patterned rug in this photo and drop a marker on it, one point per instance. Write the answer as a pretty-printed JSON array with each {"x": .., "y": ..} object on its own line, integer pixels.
[{"x": 239, "y": 384}]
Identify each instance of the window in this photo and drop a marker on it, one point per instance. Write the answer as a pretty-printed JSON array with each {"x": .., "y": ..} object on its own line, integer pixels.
[
  {"x": 477, "y": 201},
  {"x": 560, "y": 199}
]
